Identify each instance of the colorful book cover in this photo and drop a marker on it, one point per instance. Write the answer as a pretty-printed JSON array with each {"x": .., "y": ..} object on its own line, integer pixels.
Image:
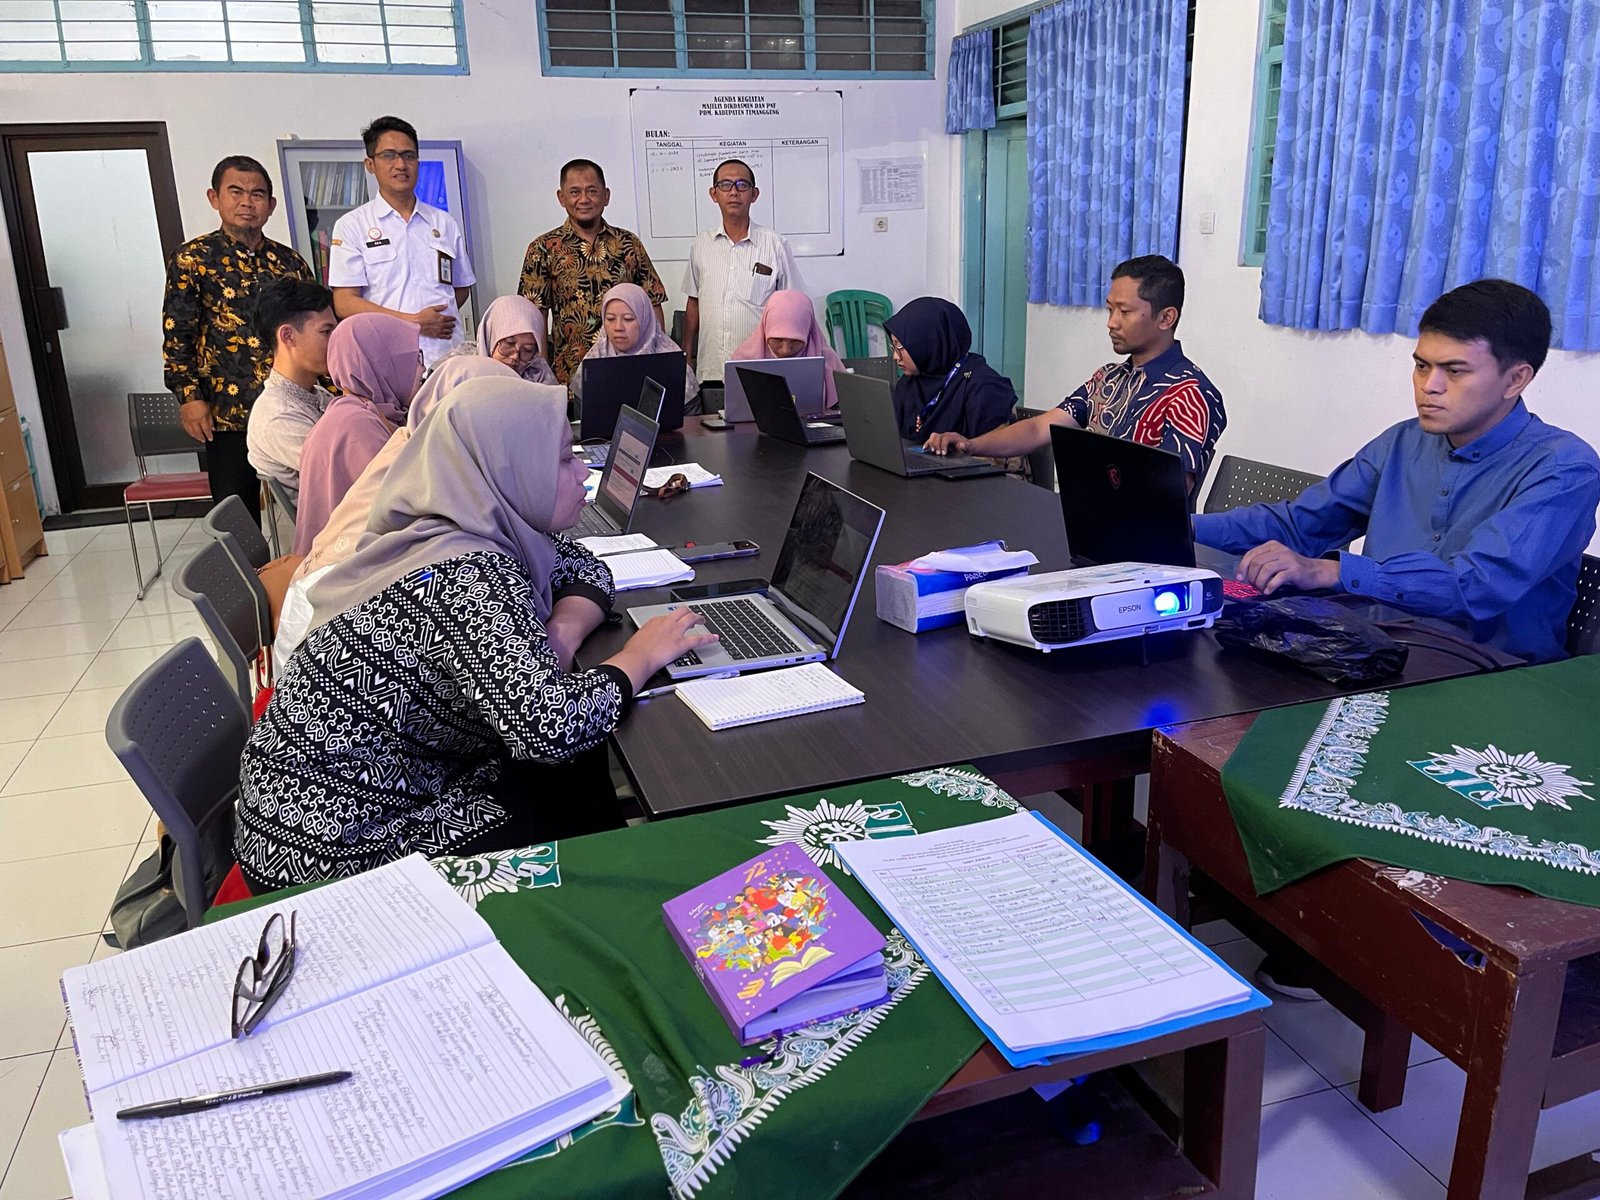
[{"x": 770, "y": 930}]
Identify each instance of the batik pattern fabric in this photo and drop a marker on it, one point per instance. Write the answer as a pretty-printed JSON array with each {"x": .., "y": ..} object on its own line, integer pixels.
[
  {"x": 388, "y": 729},
  {"x": 1489, "y": 779},
  {"x": 1168, "y": 402},
  {"x": 568, "y": 278},
  {"x": 209, "y": 346}
]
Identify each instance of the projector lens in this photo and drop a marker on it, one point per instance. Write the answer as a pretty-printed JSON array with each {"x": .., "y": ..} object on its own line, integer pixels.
[{"x": 1168, "y": 602}]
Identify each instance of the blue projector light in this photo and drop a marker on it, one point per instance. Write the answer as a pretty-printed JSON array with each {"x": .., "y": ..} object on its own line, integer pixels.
[{"x": 1168, "y": 601}]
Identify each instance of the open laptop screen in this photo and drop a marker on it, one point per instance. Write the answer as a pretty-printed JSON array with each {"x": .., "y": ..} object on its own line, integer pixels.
[
  {"x": 631, "y": 447},
  {"x": 1122, "y": 502},
  {"x": 825, "y": 554}
]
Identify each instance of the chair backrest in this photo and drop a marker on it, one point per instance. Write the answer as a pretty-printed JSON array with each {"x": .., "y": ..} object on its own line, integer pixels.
[
  {"x": 156, "y": 427},
  {"x": 280, "y": 497},
  {"x": 1041, "y": 462},
  {"x": 179, "y": 731},
  {"x": 1242, "y": 481},
  {"x": 1583, "y": 626},
  {"x": 852, "y": 313},
  {"x": 231, "y": 601},
  {"x": 231, "y": 519}
]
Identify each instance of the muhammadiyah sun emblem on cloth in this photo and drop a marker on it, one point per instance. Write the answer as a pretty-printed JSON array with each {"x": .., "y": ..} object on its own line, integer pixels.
[{"x": 1491, "y": 778}]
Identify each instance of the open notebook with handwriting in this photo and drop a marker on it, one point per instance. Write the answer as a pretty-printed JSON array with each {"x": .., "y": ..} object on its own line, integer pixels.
[{"x": 459, "y": 1062}]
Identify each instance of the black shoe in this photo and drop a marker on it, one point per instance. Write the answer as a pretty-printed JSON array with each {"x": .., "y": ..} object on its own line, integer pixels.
[{"x": 1290, "y": 974}]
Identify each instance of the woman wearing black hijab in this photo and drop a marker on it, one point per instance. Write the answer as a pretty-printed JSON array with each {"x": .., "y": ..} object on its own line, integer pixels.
[{"x": 945, "y": 385}]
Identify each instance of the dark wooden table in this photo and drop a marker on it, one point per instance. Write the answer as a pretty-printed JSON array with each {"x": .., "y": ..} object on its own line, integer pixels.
[
  {"x": 1518, "y": 1007},
  {"x": 1033, "y": 722}
]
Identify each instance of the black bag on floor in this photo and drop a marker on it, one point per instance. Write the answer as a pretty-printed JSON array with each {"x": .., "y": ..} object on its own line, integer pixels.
[{"x": 147, "y": 908}]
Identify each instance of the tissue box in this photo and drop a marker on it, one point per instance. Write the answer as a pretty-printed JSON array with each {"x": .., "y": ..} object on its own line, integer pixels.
[{"x": 918, "y": 598}]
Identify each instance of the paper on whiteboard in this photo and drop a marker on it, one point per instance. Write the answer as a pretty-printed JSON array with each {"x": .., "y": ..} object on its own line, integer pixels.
[
  {"x": 793, "y": 142},
  {"x": 891, "y": 184}
]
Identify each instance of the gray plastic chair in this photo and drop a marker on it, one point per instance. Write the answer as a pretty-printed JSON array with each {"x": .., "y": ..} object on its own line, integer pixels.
[
  {"x": 280, "y": 497},
  {"x": 233, "y": 604},
  {"x": 231, "y": 519},
  {"x": 179, "y": 731},
  {"x": 1242, "y": 481},
  {"x": 1583, "y": 626}
]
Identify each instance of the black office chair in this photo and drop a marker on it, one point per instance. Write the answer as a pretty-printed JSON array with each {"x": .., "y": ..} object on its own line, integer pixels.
[
  {"x": 1041, "y": 462},
  {"x": 179, "y": 731},
  {"x": 231, "y": 519},
  {"x": 231, "y": 601},
  {"x": 1242, "y": 481},
  {"x": 1583, "y": 626}
]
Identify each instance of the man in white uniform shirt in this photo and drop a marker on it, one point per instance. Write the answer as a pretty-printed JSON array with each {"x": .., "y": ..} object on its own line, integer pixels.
[
  {"x": 732, "y": 271},
  {"x": 397, "y": 255}
]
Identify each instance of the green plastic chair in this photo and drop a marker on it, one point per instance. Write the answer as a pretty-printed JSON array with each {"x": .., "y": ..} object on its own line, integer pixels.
[{"x": 850, "y": 315}]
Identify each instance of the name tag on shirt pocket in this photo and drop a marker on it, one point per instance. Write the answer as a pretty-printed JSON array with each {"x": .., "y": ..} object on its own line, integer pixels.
[{"x": 379, "y": 250}]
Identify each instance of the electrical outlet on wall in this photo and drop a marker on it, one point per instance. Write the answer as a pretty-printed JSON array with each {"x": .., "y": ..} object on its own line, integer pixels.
[
  {"x": 880, "y": 224},
  {"x": 1208, "y": 222}
]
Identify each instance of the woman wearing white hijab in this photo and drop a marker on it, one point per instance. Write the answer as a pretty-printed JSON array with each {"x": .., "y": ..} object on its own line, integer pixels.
[{"x": 432, "y": 708}]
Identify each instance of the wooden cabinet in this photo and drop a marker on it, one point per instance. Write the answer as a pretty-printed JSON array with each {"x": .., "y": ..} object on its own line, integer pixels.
[{"x": 21, "y": 530}]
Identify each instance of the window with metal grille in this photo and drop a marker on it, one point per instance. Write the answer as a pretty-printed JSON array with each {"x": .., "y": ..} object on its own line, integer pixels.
[
  {"x": 769, "y": 38},
  {"x": 1011, "y": 69},
  {"x": 1264, "y": 135},
  {"x": 403, "y": 36}
]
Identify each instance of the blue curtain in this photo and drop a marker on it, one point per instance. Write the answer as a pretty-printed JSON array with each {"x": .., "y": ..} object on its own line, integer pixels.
[
  {"x": 1426, "y": 143},
  {"x": 1105, "y": 141},
  {"x": 969, "y": 98}
]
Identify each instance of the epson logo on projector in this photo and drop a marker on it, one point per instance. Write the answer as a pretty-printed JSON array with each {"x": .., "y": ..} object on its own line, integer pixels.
[{"x": 1127, "y": 608}]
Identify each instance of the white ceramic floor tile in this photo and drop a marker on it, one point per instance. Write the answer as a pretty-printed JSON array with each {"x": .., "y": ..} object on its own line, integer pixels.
[
  {"x": 83, "y": 817},
  {"x": 159, "y": 599},
  {"x": 119, "y": 668},
  {"x": 30, "y": 992},
  {"x": 37, "y": 1172},
  {"x": 19, "y": 1087},
  {"x": 62, "y": 896},
  {"x": 25, "y": 718},
  {"x": 1287, "y": 1074},
  {"x": 1314, "y": 1029},
  {"x": 58, "y": 763},
  {"x": 11, "y": 755},
  {"x": 84, "y": 711},
  {"x": 1321, "y": 1147},
  {"x": 157, "y": 629},
  {"x": 112, "y": 606},
  {"x": 43, "y": 676},
  {"x": 94, "y": 574},
  {"x": 70, "y": 541},
  {"x": 52, "y": 641},
  {"x": 1425, "y": 1125}
]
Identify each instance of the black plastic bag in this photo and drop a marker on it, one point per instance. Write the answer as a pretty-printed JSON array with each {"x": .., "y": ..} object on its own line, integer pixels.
[{"x": 1316, "y": 633}]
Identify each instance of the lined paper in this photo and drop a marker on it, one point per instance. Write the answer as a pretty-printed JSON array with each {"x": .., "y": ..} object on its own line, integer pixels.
[{"x": 767, "y": 695}]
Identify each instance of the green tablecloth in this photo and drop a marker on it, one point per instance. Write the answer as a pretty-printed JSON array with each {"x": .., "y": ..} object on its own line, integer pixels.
[
  {"x": 1491, "y": 778},
  {"x": 583, "y": 918}
]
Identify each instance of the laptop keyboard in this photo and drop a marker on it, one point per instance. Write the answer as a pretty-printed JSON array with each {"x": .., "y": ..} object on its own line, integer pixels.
[
  {"x": 744, "y": 631},
  {"x": 919, "y": 460},
  {"x": 592, "y": 524},
  {"x": 1238, "y": 589}
]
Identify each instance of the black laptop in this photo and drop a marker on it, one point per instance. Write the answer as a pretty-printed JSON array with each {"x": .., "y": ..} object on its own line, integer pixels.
[
  {"x": 873, "y": 431},
  {"x": 875, "y": 368},
  {"x": 777, "y": 414},
  {"x": 1122, "y": 502},
  {"x": 609, "y": 383}
]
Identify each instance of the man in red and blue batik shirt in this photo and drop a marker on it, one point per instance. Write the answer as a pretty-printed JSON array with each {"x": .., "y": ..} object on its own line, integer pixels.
[{"x": 1155, "y": 396}]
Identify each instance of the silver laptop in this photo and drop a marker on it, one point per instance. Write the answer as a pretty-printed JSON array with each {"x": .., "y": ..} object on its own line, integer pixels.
[
  {"x": 632, "y": 444},
  {"x": 873, "y": 432},
  {"x": 801, "y": 614},
  {"x": 804, "y": 376}
]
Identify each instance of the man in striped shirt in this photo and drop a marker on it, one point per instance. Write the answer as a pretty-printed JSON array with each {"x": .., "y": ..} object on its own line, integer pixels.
[{"x": 1155, "y": 396}]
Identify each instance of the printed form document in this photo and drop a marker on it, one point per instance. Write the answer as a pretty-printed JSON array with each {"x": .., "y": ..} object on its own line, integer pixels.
[{"x": 1038, "y": 940}]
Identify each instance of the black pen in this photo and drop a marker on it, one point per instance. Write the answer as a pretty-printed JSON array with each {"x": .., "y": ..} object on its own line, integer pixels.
[{"x": 189, "y": 1104}]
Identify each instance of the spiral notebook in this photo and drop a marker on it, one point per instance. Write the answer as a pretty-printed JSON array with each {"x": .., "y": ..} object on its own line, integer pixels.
[{"x": 724, "y": 703}]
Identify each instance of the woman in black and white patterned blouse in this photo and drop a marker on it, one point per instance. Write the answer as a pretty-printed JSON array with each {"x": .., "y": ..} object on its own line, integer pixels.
[{"x": 437, "y": 676}]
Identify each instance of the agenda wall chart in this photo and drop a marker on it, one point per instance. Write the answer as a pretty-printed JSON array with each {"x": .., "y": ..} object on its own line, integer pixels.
[{"x": 792, "y": 140}]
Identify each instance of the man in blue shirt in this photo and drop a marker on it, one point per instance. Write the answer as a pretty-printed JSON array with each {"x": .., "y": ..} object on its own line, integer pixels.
[{"x": 1475, "y": 512}]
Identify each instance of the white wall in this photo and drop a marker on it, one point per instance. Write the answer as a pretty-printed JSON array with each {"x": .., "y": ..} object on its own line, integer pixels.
[
  {"x": 516, "y": 127},
  {"x": 1305, "y": 400}
]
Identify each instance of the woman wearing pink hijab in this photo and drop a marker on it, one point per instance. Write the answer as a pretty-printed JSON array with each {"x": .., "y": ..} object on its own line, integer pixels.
[
  {"x": 628, "y": 325},
  {"x": 788, "y": 329},
  {"x": 377, "y": 362},
  {"x": 512, "y": 333}
]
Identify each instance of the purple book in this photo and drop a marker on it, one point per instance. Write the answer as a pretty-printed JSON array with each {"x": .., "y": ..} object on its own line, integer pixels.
[{"x": 777, "y": 945}]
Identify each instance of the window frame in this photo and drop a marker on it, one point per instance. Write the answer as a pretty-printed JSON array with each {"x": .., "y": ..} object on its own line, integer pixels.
[
  {"x": 681, "y": 51},
  {"x": 1263, "y": 142},
  {"x": 147, "y": 62},
  {"x": 1006, "y": 39}
]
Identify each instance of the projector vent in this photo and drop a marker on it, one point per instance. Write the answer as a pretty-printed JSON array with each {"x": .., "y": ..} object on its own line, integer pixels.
[{"x": 1057, "y": 622}]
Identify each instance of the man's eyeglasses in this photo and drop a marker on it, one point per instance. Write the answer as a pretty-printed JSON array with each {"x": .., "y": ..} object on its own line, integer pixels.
[
  {"x": 733, "y": 185},
  {"x": 263, "y": 977},
  {"x": 392, "y": 156}
]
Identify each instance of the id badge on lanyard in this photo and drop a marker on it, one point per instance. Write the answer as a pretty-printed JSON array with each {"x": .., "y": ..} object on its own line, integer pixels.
[{"x": 928, "y": 407}]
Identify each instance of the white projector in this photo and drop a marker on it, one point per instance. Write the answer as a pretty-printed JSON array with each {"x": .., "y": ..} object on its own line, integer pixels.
[{"x": 1093, "y": 604}]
